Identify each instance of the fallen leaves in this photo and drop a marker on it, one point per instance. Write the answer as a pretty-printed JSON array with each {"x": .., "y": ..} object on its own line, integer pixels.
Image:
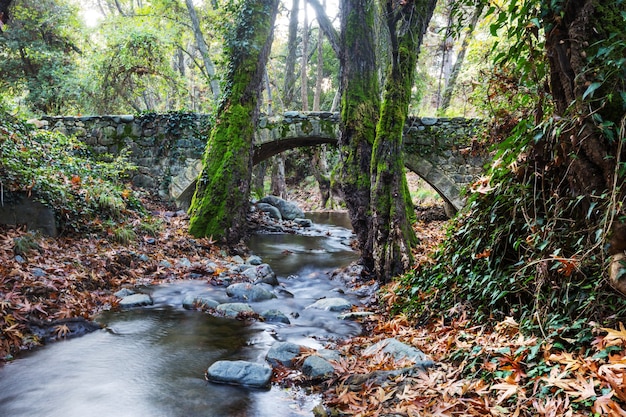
[{"x": 76, "y": 275}]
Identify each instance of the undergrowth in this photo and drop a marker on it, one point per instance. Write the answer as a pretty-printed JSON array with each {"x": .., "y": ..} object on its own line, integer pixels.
[
  {"x": 518, "y": 251},
  {"x": 60, "y": 172}
]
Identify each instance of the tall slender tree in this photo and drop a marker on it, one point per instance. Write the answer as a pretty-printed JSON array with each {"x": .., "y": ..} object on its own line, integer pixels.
[
  {"x": 220, "y": 203},
  {"x": 209, "y": 67}
]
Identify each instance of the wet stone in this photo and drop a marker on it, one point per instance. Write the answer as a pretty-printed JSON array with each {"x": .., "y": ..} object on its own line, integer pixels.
[
  {"x": 331, "y": 304},
  {"x": 233, "y": 309},
  {"x": 249, "y": 292},
  {"x": 254, "y": 260},
  {"x": 192, "y": 302},
  {"x": 275, "y": 316},
  {"x": 135, "y": 300},
  {"x": 240, "y": 373},
  {"x": 283, "y": 353},
  {"x": 124, "y": 292},
  {"x": 317, "y": 367}
]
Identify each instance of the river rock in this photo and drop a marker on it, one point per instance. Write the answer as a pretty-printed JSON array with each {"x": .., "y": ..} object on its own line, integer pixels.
[
  {"x": 272, "y": 211},
  {"x": 399, "y": 351},
  {"x": 288, "y": 210},
  {"x": 192, "y": 302},
  {"x": 303, "y": 222},
  {"x": 135, "y": 300},
  {"x": 240, "y": 373},
  {"x": 237, "y": 259},
  {"x": 317, "y": 367},
  {"x": 261, "y": 274},
  {"x": 124, "y": 292},
  {"x": 234, "y": 309},
  {"x": 283, "y": 353},
  {"x": 249, "y": 292},
  {"x": 254, "y": 260},
  {"x": 275, "y": 316},
  {"x": 49, "y": 331},
  {"x": 331, "y": 304},
  {"x": 184, "y": 263}
]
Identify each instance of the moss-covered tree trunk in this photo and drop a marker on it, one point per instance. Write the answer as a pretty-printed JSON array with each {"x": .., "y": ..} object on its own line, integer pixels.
[
  {"x": 220, "y": 203},
  {"x": 360, "y": 107},
  {"x": 392, "y": 210}
]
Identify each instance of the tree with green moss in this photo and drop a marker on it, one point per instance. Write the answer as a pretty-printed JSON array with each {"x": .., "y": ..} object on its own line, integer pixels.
[
  {"x": 220, "y": 203},
  {"x": 360, "y": 109},
  {"x": 392, "y": 210}
]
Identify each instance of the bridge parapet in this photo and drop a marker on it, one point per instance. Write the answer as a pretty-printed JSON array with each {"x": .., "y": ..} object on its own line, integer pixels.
[{"x": 168, "y": 148}]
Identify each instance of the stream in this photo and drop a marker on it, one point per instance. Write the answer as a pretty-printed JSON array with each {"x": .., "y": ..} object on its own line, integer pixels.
[{"x": 150, "y": 361}]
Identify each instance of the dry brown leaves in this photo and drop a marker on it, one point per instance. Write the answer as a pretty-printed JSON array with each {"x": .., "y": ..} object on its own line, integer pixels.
[
  {"x": 76, "y": 276},
  {"x": 480, "y": 370},
  {"x": 511, "y": 375}
]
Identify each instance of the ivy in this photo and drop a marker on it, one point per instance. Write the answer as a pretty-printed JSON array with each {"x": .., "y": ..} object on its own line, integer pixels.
[{"x": 60, "y": 172}]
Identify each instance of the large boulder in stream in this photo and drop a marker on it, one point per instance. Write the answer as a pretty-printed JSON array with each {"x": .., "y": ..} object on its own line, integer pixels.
[
  {"x": 261, "y": 273},
  {"x": 193, "y": 302},
  {"x": 288, "y": 210},
  {"x": 135, "y": 300},
  {"x": 244, "y": 373},
  {"x": 234, "y": 309}
]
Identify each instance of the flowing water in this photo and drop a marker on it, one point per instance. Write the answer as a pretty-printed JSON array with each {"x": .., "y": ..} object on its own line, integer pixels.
[{"x": 151, "y": 361}]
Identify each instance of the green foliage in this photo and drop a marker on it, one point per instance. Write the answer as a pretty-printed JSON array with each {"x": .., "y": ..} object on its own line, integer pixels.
[
  {"x": 38, "y": 54},
  {"x": 133, "y": 72},
  {"x": 520, "y": 250},
  {"x": 58, "y": 170}
]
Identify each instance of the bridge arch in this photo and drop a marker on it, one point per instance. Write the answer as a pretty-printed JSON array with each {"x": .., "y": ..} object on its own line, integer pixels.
[{"x": 425, "y": 169}]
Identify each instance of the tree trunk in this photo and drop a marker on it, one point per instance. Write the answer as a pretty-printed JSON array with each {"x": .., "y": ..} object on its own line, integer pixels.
[
  {"x": 460, "y": 57},
  {"x": 220, "y": 203},
  {"x": 587, "y": 158},
  {"x": 278, "y": 185},
  {"x": 209, "y": 68},
  {"x": 327, "y": 26},
  {"x": 360, "y": 107},
  {"x": 584, "y": 41},
  {"x": 320, "y": 168},
  {"x": 290, "y": 63},
  {"x": 304, "y": 85},
  {"x": 319, "y": 76},
  {"x": 392, "y": 210}
]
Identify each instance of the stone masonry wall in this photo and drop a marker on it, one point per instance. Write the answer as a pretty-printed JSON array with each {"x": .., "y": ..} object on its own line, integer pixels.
[
  {"x": 167, "y": 148},
  {"x": 161, "y": 145}
]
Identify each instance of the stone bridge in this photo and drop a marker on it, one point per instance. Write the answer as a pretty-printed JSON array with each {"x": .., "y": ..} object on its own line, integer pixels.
[{"x": 167, "y": 148}]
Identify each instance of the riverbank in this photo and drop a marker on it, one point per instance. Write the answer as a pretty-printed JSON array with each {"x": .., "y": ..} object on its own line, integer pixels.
[{"x": 480, "y": 369}]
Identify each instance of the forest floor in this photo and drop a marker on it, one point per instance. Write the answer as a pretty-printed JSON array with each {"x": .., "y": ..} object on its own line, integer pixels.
[{"x": 481, "y": 369}]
